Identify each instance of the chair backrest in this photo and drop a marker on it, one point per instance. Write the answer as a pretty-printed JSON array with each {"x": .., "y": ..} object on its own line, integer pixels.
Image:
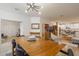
[
  {"x": 18, "y": 47},
  {"x": 19, "y": 50},
  {"x": 70, "y": 52}
]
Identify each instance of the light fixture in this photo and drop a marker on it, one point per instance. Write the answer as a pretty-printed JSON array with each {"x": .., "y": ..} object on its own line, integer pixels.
[
  {"x": 25, "y": 11},
  {"x": 39, "y": 13},
  {"x": 33, "y": 7},
  {"x": 42, "y": 7}
]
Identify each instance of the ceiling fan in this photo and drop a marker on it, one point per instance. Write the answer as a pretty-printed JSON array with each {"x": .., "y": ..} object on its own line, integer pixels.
[{"x": 32, "y": 7}]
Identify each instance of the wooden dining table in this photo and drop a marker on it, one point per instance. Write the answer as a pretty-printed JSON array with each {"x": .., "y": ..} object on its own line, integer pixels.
[{"x": 40, "y": 47}]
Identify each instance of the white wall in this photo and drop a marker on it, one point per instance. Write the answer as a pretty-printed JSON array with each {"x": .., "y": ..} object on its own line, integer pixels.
[
  {"x": 25, "y": 26},
  {"x": 45, "y": 20},
  {"x": 42, "y": 22},
  {"x": 35, "y": 20},
  {"x": 9, "y": 15},
  {"x": 10, "y": 28},
  {"x": 0, "y": 30},
  {"x": 71, "y": 19},
  {"x": 23, "y": 18}
]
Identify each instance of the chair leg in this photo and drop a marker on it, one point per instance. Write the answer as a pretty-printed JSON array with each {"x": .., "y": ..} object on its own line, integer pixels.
[
  {"x": 13, "y": 52},
  {"x": 63, "y": 52}
]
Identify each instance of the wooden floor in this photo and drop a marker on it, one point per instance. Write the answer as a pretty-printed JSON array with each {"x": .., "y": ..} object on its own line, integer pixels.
[{"x": 39, "y": 47}]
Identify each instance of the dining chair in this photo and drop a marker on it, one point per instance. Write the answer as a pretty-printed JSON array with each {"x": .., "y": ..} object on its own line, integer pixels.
[{"x": 13, "y": 47}]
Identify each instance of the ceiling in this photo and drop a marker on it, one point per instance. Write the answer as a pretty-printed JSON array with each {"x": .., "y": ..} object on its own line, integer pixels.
[{"x": 49, "y": 10}]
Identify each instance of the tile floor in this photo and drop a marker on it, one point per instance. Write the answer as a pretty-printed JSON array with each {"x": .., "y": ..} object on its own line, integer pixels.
[{"x": 5, "y": 49}]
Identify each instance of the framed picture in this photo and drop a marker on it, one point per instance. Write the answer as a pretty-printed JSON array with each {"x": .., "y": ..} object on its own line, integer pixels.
[{"x": 35, "y": 25}]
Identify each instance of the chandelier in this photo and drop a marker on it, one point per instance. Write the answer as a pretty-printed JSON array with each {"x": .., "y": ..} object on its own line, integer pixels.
[{"x": 32, "y": 7}]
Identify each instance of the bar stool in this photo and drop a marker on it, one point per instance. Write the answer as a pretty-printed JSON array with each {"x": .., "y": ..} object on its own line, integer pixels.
[{"x": 13, "y": 47}]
